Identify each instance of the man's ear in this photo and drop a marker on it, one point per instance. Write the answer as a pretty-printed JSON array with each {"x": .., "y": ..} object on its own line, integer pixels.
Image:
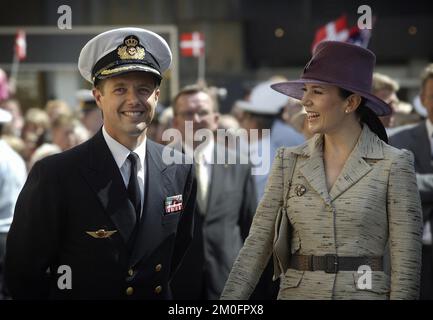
[
  {"x": 97, "y": 94},
  {"x": 217, "y": 117},
  {"x": 157, "y": 93},
  {"x": 422, "y": 97},
  {"x": 175, "y": 122}
]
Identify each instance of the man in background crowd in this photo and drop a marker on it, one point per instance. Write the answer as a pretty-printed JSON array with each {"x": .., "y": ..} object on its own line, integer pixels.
[{"x": 418, "y": 138}]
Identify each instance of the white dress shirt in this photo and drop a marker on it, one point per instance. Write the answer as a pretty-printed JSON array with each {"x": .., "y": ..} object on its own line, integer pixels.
[
  {"x": 121, "y": 153},
  {"x": 203, "y": 165},
  {"x": 429, "y": 126},
  {"x": 13, "y": 174}
]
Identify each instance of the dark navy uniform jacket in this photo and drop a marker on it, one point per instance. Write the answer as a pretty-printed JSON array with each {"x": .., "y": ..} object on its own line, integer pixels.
[{"x": 67, "y": 212}]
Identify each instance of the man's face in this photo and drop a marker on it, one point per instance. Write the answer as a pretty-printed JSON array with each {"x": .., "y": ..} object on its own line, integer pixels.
[
  {"x": 427, "y": 97},
  {"x": 390, "y": 98},
  {"x": 64, "y": 137},
  {"x": 198, "y": 108},
  {"x": 128, "y": 103}
]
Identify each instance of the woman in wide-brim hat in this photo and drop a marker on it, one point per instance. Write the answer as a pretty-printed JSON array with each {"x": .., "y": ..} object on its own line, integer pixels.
[{"x": 341, "y": 214}]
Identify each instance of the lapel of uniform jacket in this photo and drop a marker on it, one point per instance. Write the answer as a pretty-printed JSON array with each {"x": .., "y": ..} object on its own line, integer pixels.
[
  {"x": 312, "y": 168},
  {"x": 150, "y": 233},
  {"x": 369, "y": 146},
  {"x": 105, "y": 178}
]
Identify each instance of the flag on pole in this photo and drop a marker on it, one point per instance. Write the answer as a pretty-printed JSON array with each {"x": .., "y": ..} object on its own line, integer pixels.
[
  {"x": 335, "y": 30},
  {"x": 338, "y": 30},
  {"x": 192, "y": 44},
  {"x": 20, "y": 45},
  {"x": 359, "y": 37}
]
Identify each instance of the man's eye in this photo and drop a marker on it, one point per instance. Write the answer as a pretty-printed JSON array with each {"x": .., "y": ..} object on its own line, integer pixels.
[
  {"x": 119, "y": 90},
  {"x": 203, "y": 113},
  {"x": 317, "y": 92},
  {"x": 304, "y": 89},
  {"x": 145, "y": 91}
]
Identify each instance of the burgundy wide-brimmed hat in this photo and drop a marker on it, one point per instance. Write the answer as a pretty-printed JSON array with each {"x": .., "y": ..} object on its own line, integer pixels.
[{"x": 344, "y": 65}]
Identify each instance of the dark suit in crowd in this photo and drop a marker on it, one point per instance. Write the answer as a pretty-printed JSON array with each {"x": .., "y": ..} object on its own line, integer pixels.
[
  {"x": 415, "y": 139},
  {"x": 219, "y": 232}
]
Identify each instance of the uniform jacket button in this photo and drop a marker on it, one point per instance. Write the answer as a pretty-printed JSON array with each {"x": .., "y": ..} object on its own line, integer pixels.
[
  {"x": 130, "y": 272},
  {"x": 129, "y": 291},
  {"x": 158, "y": 289},
  {"x": 158, "y": 267}
]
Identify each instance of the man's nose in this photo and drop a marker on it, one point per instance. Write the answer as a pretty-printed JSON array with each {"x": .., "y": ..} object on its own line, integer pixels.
[
  {"x": 132, "y": 97},
  {"x": 196, "y": 117}
]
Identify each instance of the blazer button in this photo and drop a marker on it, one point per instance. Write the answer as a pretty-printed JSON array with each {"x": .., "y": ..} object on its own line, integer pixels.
[
  {"x": 129, "y": 291},
  {"x": 130, "y": 272},
  {"x": 158, "y": 289},
  {"x": 158, "y": 267}
]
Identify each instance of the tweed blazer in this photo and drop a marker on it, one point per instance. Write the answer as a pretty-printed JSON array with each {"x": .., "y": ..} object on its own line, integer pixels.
[{"x": 373, "y": 209}]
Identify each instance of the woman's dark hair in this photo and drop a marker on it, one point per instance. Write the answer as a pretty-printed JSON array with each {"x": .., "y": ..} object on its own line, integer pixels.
[{"x": 367, "y": 116}]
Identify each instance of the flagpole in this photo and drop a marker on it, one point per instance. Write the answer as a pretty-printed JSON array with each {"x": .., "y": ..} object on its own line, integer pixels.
[
  {"x": 201, "y": 68},
  {"x": 14, "y": 73}
]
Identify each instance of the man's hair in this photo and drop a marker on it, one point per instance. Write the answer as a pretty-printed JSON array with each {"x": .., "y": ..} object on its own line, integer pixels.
[
  {"x": 38, "y": 117},
  {"x": 57, "y": 105},
  {"x": 263, "y": 121},
  {"x": 426, "y": 75},
  {"x": 194, "y": 89},
  {"x": 384, "y": 82},
  {"x": 99, "y": 83},
  {"x": 63, "y": 121}
]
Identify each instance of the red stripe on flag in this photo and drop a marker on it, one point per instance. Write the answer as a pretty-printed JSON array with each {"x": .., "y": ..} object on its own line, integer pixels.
[
  {"x": 336, "y": 30},
  {"x": 192, "y": 44},
  {"x": 20, "y": 45}
]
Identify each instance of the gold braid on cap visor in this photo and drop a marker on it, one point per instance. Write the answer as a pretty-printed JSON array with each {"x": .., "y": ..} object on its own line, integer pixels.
[{"x": 107, "y": 72}]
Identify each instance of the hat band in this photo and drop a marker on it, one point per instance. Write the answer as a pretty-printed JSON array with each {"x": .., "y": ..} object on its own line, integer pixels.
[
  {"x": 133, "y": 64},
  {"x": 108, "y": 72}
]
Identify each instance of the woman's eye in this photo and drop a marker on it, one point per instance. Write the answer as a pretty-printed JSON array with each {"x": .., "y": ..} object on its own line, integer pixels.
[
  {"x": 304, "y": 89},
  {"x": 317, "y": 92}
]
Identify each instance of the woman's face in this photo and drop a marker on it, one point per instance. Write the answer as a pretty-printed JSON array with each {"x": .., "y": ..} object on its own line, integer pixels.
[{"x": 325, "y": 108}]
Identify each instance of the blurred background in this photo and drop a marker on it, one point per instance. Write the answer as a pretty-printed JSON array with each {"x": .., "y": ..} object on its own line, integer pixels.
[{"x": 246, "y": 41}]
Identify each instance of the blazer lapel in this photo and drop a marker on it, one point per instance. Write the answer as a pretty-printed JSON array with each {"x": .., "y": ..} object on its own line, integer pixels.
[
  {"x": 368, "y": 146},
  {"x": 104, "y": 177},
  {"x": 313, "y": 169},
  {"x": 149, "y": 233}
]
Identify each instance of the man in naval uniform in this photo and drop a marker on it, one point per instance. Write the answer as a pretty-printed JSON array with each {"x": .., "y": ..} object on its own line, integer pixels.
[{"x": 108, "y": 219}]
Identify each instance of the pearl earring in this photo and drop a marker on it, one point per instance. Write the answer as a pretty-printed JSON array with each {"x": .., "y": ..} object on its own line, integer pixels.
[{"x": 346, "y": 111}]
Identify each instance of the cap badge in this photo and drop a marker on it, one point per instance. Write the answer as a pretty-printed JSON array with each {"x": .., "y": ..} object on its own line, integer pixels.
[{"x": 131, "y": 49}]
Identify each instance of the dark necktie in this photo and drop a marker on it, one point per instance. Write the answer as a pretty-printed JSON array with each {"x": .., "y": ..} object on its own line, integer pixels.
[{"x": 133, "y": 188}]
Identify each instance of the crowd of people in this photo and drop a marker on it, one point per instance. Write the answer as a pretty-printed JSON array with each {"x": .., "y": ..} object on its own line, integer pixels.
[{"x": 94, "y": 173}]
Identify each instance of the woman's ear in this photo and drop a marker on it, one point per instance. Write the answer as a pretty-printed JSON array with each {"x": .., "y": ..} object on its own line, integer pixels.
[{"x": 353, "y": 102}]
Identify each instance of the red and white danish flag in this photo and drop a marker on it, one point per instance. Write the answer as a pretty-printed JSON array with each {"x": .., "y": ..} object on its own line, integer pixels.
[
  {"x": 336, "y": 30},
  {"x": 192, "y": 44},
  {"x": 20, "y": 45}
]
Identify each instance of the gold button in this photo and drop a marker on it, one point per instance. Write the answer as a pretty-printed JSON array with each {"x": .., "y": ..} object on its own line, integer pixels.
[
  {"x": 158, "y": 289},
  {"x": 129, "y": 291},
  {"x": 130, "y": 272},
  {"x": 158, "y": 267}
]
